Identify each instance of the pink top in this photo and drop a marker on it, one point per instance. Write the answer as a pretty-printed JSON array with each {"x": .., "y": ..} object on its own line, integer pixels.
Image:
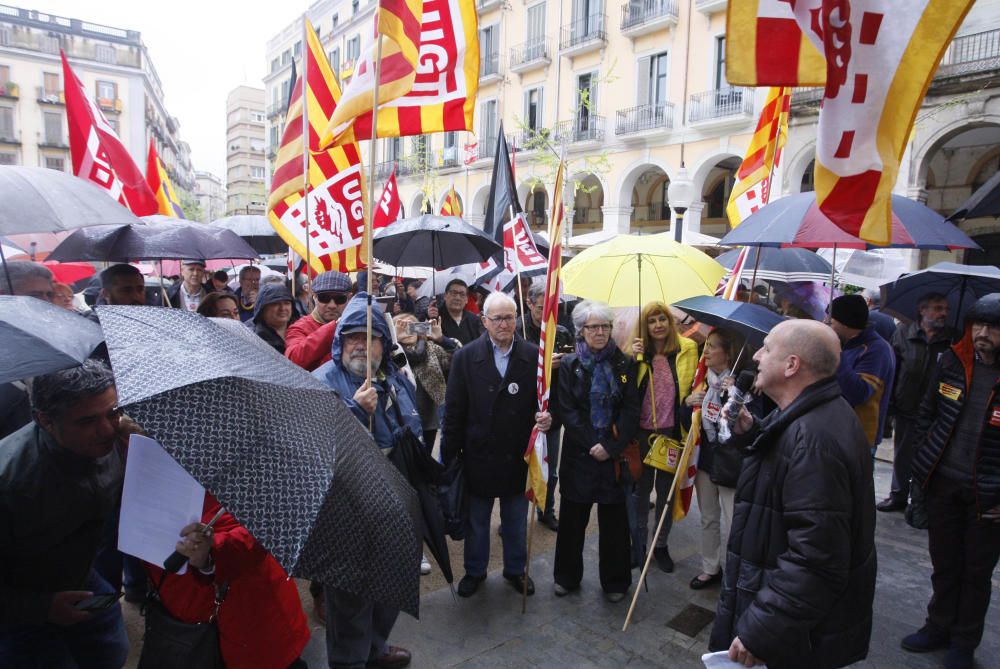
[{"x": 665, "y": 391}]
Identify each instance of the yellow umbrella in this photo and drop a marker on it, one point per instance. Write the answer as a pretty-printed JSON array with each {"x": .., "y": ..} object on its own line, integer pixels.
[{"x": 630, "y": 269}]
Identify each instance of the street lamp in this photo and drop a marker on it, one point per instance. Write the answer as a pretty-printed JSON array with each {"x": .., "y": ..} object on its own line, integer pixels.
[{"x": 680, "y": 194}]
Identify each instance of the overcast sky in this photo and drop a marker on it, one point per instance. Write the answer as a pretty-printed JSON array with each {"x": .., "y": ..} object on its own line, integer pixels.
[{"x": 201, "y": 50}]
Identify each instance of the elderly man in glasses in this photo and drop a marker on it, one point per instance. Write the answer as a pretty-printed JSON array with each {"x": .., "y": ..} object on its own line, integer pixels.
[
  {"x": 490, "y": 408},
  {"x": 308, "y": 340}
]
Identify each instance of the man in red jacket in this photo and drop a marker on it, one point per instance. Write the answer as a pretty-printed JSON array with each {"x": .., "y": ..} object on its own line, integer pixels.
[{"x": 308, "y": 340}]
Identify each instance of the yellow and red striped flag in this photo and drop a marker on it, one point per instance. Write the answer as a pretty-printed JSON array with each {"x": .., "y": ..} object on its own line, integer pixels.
[
  {"x": 442, "y": 93},
  {"x": 328, "y": 227},
  {"x": 876, "y": 59},
  {"x": 159, "y": 183},
  {"x": 537, "y": 453},
  {"x": 452, "y": 206},
  {"x": 759, "y": 169}
]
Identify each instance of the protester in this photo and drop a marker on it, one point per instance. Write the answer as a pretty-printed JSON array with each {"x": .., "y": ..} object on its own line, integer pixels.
[
  {"x": 27, "y": 278},
  {"x": 800, "y": 571},
  {"x": 719, "y": 463},
  {"x": 249, "y": 279},
  {"x": 884, "y": 324},
  {"x": 957, "y": 465},
  {"x": 123, "y": 284},
  {"x": 665, "y": 371},
  {"x": 595, "y": 397},
  {"x": 220, "y": 281},
  {"x": 867, "y": 365},
  {"x": 272, "y": 314},
  {"x": 220, "y": 305},
  {"x": 260, "y": 620},
  {"x": 918, "y": 347},
  {"x": 456, "y": 321},
  {"x": 62, "y": 296},
  {"x": 490, "y": 409},
  {"x": 358, "y": 630},
  {"x": 60, "y": 480},
  {"x": 429, "y": 357},
  {"x": 417, "y": 304},
  {"x": 308, "y": 340},
  {"x": 191, "y": 289}
]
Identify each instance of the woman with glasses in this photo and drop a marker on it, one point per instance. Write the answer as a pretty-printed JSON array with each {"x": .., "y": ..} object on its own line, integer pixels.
[
  {"x": 308, "y": 340},
  {"x": 599, "y": 409},
  {"x": 664, "y": 373},
  {"x": 429, "y": 355},
  {"x": 220, "y": 305}
]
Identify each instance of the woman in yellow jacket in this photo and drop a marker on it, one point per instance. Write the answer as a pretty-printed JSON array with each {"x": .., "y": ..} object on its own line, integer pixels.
[{"x": 665, "y": 368}]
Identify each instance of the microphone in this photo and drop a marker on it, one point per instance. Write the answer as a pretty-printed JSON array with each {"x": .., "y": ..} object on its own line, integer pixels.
[{"x": 739, "y": 395}]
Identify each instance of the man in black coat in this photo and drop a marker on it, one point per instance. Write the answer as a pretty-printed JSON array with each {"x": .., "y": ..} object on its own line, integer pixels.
[
  {"x": 491, "y": 406},
  {"x": 802, "y": 545}
]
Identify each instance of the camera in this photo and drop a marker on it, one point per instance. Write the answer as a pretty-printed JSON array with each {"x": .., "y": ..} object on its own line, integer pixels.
[{"x": 419, "y": 328}]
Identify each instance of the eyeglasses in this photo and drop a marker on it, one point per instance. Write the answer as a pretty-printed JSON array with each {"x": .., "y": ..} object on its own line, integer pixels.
[
  {"x": 503, "y": 320},
  {"x": 338, "y": 298},
  {"x": 457, "y": 293},
  {"x": 600, "y": 327}
]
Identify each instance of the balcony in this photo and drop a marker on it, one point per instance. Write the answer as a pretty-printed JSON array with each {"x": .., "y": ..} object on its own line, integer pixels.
[
  {"x": 657, "y": 116},
  {"x": 807, "y": 99},
  {"x": 10, "y": 138},
  {"x": 489, "y": 68},
  {"x": 449, "y": 158},
  {"x": 275, "y": 109},
  {"x": 969, "y": 63},
  {"x": 530, "y": 56},
  {"x": 49, "y": 97},
  {"x": 483, "y": 6},
  {"x": 584, "y": 35},
  {"x": 721, "y": 107},
  {"x": 412, "y": 164},
  {"x": 384, "y": 169},
  {"x": 709, "y": 7},
  {"x": 532, "y": 139},
  {"x": 52, "y": 142},
  {"x": 584, "y": 128},
  {"x": 10, "y": 90},
  {"x": 110, "y": 105},
  {"x": 487, "y": 147},
  {"x": 641, "y": 17}
]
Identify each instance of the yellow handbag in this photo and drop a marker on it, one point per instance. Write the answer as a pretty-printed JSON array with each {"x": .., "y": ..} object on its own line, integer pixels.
[{"x": 664, "y": 452}]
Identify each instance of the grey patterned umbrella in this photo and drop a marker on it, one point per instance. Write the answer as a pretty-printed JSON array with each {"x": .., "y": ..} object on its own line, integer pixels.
[
  {"x": 39, "y": 338},
  {"x": 278, "y": 449}
]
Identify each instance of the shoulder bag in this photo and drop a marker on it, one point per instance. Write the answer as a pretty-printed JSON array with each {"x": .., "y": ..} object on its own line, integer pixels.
[{"x": 172, "y": 644}]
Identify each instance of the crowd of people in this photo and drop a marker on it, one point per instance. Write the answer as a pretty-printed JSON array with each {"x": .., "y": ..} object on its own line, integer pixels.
[{"x": 787, "y": 506}]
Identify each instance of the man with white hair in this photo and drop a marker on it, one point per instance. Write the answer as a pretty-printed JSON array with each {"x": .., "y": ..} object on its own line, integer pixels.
[
  {"x": 802, "y": 545},
  {"x": 490, "y": 409}
]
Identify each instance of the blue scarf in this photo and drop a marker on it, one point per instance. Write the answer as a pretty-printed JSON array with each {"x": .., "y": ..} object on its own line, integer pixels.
[{"x": 604, "y": 389}]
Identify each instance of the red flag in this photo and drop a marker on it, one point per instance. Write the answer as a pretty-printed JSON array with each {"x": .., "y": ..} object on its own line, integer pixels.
[
  {"x": 387, "y": 209},
  {"x": 98, "y": 154}
]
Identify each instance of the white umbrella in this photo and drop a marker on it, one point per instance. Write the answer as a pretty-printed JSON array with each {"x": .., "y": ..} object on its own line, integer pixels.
[{"x": 868, "y": 269}]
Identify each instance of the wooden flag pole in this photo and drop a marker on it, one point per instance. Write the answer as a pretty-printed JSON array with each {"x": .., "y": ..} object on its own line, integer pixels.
[
  {"x": 371, "y": 200},
  {"x": 517, "y": 273},
  {"x": 532, "y": 510}
]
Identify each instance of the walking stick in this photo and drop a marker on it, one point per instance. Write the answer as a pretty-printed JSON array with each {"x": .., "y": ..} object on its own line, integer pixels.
[{"x": 527, "y": 564}]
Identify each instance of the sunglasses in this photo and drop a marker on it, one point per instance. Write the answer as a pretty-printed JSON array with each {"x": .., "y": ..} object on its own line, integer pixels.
[{"x": 338, "y": 298}]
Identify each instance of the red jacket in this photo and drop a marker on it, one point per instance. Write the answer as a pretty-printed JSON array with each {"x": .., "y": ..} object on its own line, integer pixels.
[
  {"x": 261, "y": 622},
  {"x": 307, "y": 342}
]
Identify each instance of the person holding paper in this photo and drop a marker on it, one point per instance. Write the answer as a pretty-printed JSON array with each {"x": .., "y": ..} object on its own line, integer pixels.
[{"x": 60, "y": 481}]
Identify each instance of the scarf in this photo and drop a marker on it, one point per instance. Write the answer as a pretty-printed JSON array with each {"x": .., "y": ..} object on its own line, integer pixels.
[
  {"x": 417, "y": 353},
  {"x": 604, "y": 389},
  {"x": 711, "y": 406}
]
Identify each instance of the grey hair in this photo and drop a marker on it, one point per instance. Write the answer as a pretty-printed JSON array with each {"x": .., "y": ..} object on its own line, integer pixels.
[
  {"x": 273, "y": 278},
  {"x": 535, "y": 292},
  {"x": 53, "y": 394},
  {"x": 20, "y": 271},
  {"x": 588, "y": 309},
  {"x": 873, "y": 296},
  {"x": 246, "y": 270},
  {"x": 497, "y": 297}
]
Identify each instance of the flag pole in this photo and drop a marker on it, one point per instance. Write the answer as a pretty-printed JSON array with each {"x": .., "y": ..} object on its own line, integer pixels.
[
  {"x": 371, "y": 195},
  {"x": 532, "y": 510},
  {"x": 517, "y": 273},
  {"x": 304, "y": 77}
]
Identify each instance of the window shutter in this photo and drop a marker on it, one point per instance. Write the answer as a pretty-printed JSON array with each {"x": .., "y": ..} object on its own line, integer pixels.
[{"x": 642, "y": 82}]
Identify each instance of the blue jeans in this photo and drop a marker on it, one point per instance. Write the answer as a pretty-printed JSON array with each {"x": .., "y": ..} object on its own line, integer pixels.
[
  {"x": 97, "y": 643},
  {"x": 357, "y": 631},
  {"x": 514, "y": 534}
]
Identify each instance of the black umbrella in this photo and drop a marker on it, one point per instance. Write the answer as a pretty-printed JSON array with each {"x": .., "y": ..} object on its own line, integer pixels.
[
  {"x": 962, "y": 285},
  {"x": 125, "y": 243},
  {"x": 750, "y": 320},
  {"x": 778, "y": 264},
  {"x": 39, "y": 338},
  {"x": 432, "y": 241},
  {"x": 278, "y": 449},
  {"x": 984, "y": 202}
]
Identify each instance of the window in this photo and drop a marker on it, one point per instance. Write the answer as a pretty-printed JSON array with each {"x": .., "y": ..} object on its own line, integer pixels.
[
  {"x": 720, "y": 62},
  {"x": 113, "y": 122},
  {"x": 50, "y": 43},
  {"x": 651, "y": 86},
  {"x": 533, "y": 119},
  {"x": 8, "y": 158},
  {"x": 275, "y": 64},
  {"x": 354, "y": 7},
  {"x": 105, "y": 53},
  {"x": 420, "y": 147},
  {"x": 449, "y": 140},
  {"x": 53, "y": 127},
  {"x": 256, "y": 144},
  {"x": 285, "y": 85},
  {"x": 588, "y": 17},
  {"x": 55, "y": 163},
  {"x": 6, "y": 123},
  {"x": 275, "y": 137},
  {"x": 334, "y": 57},
  {"x": 107, "y": 90},
  {"x": 297, "y": 49},
  {"x": 4, "y": 74},
  {"x": 51, "y": 83},
  {"x": 489, "y": 47},
  {"x": 393, "y": 149},
  {"x": 257, "y": 117},
  {"x": 336, "y": 20},
  {"x": 536, "y": 32},
  {"x": 353, "y": 50},
  {"x": 586, "y": 100},
  {"x": 487, "y": 123},
  {"x": 286, "y": 57},
  {"x": 256, "y": 172}
]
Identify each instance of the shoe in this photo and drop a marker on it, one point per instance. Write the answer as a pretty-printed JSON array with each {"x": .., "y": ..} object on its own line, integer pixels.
[
  {"x": 698, "y": 583},
  {"x": 890, "y": 504},
  {"x": 561, "y": 590},
  {"x": 958, "y": 658},
  {"x": 517, "y": 582},
  {"x": 925, "y": 640},
  {"x": 614, "y": 597},
  {"x": 550, "y": 521},
  {"x": 425, "y": 565},
  {"x": 319, "y": 609},
  {"x": 469, "y": 584},
  {"x": 663, "y": 559},
  {"x": 394, "y": 658}
]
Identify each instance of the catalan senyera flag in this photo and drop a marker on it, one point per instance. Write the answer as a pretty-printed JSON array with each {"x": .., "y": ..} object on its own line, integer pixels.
[
  {"x": 327, "y": 226},
  {"x": 442, "y": 96},
  {"x": 760, "y": 166},
  {"x": 875, "y": 59},
  {"x": 537, "y": 453},
  {"x": 159, "y": 183},
  {"x": 97, "y": 152},
  {"x": 452, "y": 206}
]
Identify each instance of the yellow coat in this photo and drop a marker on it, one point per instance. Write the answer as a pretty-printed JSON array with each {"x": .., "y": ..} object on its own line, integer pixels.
[{"x": 685, "y": 365}]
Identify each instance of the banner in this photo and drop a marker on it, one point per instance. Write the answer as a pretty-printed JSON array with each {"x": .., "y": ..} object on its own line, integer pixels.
[
  {"x": 388, "y": 207},
  {"x": 759, "y": 169}
]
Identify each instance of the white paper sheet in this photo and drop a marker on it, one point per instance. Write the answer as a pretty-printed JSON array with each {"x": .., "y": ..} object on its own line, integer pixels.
[
  {"x": 721, "y": 660},
  {"x": 158, "y": 499}
]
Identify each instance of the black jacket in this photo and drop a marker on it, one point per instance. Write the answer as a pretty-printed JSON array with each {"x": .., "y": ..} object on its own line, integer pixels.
[
  {"x": 174, "y": 293},
  {"x": 488, "y": 420},
  {"x": 466, "y": 332},
  {"x": 915, "y": 359},
  {"x": 800, "y": 570},
  {"x": 582, "y": 478},
  {"x": 939, "y": 412}
]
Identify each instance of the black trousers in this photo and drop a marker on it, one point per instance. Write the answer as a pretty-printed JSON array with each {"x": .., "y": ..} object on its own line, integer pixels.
[
  {"x": 902, "y": 459},
  {"x": 964, "y": 551},
  {"x": 615, "y": 567}
]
